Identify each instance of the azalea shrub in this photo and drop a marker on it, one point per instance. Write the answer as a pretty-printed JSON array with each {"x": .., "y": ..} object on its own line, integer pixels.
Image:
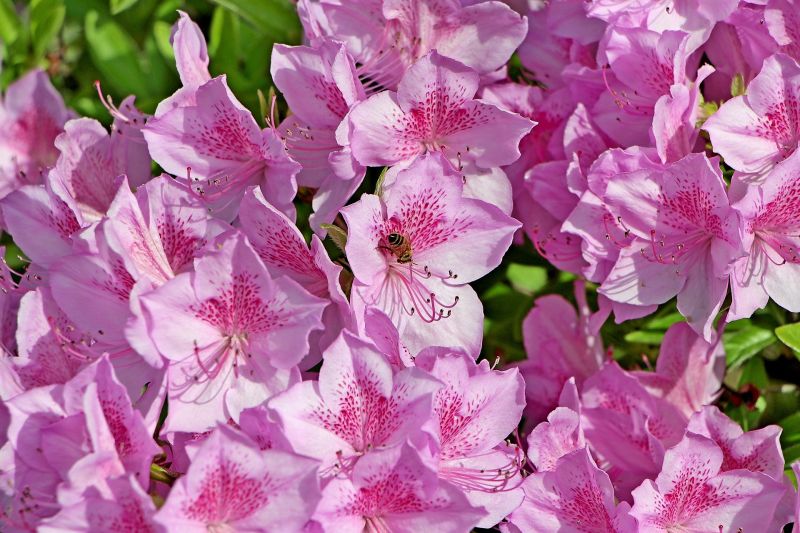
[{"x": 400, "y": 265}]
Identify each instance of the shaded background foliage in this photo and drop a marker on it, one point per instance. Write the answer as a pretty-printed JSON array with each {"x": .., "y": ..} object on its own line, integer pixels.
[{"x": 125, "y": 45}]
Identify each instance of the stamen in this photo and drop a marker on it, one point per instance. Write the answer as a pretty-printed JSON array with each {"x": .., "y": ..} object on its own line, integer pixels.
[{"x": 108, "y": 103}]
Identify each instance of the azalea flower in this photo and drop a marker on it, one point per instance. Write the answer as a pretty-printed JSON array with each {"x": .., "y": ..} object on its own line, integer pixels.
[
  {"x": 320, "y": 84},
  {"x": 754, "y": 131},
  {"x": 414, "y": 249},
  {"x": 434, "y": 110},
  {"x": 387, "y": 37},
  {"x": 224, "y": 329},
  {"x": 32, "y": 115},
  {"x": 687, "y": 239},
  {"x": 692, "y": 492},
  {"x": 771, "y": 239},
  {"x": 234, "y": 485},
  {"x": 358, "y": 405},
  {"x": 394, "y": 490},
  {"x": 223, "y": 151}
]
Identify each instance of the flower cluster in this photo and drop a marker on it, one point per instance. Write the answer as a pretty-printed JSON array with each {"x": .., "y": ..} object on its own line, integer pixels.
[{"x": 181, "y": 357}]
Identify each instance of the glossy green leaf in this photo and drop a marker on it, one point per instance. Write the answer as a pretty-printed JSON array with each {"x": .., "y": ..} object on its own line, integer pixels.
[
  {"x": 645, "y": 337},
  {"x": 118, "y": 6},
  {"x": 754, "y": 373},
  {"x": 664, "y": 322},
  {"x": 791, "y": 454},
  {"x": 743, "y": 344},
  {"x": 791, "y": 430},
  {"x": 527, "y": 279},
  {"x": 116, "y": 56},
  {"x": 276, "y": 19},
  {"x": 790, "y": 336},
  {"x": 47, "y": 17},
  {"x": 9, "y": 22}
]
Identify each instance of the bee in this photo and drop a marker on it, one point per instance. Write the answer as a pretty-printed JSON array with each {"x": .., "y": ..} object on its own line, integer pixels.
[{"x": 399, "y": 246}]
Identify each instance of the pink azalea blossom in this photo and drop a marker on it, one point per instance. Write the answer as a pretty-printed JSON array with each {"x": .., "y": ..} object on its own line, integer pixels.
[
  {"x": 688, "y": 371},
  {"x": 693, "y": 493},
  {"x": 320, "y": 85},
  {"x": 72, "y": 437},
  {"x": 755, "y": 131},
  {"x": 191, "y": 60},
  {"x": 113, "y": 425},
  {"x": 796, "y": 526},
  {"x": 215, "y": 146},
  {"x": 687, "y": 238},
  {"x": 379, "y": 329},
  {"x": 32, "y": 115},
  {"x": 543, "y": 223},
  {"x": 158, "y": 231},
  {"x": 627, "y": 427},
  {"x": 447, "y": 241},
  {"x": 226, "y": 329},
  {"x": 284, "y": 251},
  {"x": 575, "y": 496},
  {"x": 394, "y": 490},
  {"x": 476, "y": 409},
  {"x": 357, "y": 406},
  {"x": 737, "y": 46},
  {"x": 783, "y": 23},
  {"x": 91, "y": 160},
  {"x": 549, "y": 110},
  {"x": 387, "y": 37},
  {"x": 560, "y": 434},
  {"x": 42, "y": 224},
  {"x": 756, "y": 451},
  {"x": 601, "y": 233},
  {"x": 771, "y": 227},
  {"x": 559, "y": 35},
  {"x": 643, "y": 65},
  {"x": 232, "y": 485},
  {"x": 44, "y": 342},
  {"x": 202, "y": 351},
  {"x": 560, "y": 345},
  {"x": 675, "y": 116},
  {"x": 93, "y": 288},
  {"x": 693, "y": 16},
  {"x": 122, "y": 507},
  {"x": 434, "y": 110}
]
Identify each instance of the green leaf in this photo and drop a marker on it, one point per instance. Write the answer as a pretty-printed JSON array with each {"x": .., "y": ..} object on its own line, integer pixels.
[
  {"x": 527, "y": 279},
  {"x": 337, "y": 235},
  {"x": 118, "y": 6},
  {"x": 790, "y": 336},
  {"x": 242, "y": 53},
  {"x": 276, "y": 19},
  {"x": 791, "y": 454},
  {"x": 791, "y": 430},
  {"x": 662, "y": 323},
  {"x": 116, "y": 56},
  {"x": 755, "y": 373},
  {"x": 47, "y": 17},
  {"x": 743, "y": 344},
  {"x": 706, "y": 110},
  {"x": 14, "y": 257},
  {"x": 9, "y": 22},
  {"x": 162, "y": 31},
  {"x": 645, "y": 337}
]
